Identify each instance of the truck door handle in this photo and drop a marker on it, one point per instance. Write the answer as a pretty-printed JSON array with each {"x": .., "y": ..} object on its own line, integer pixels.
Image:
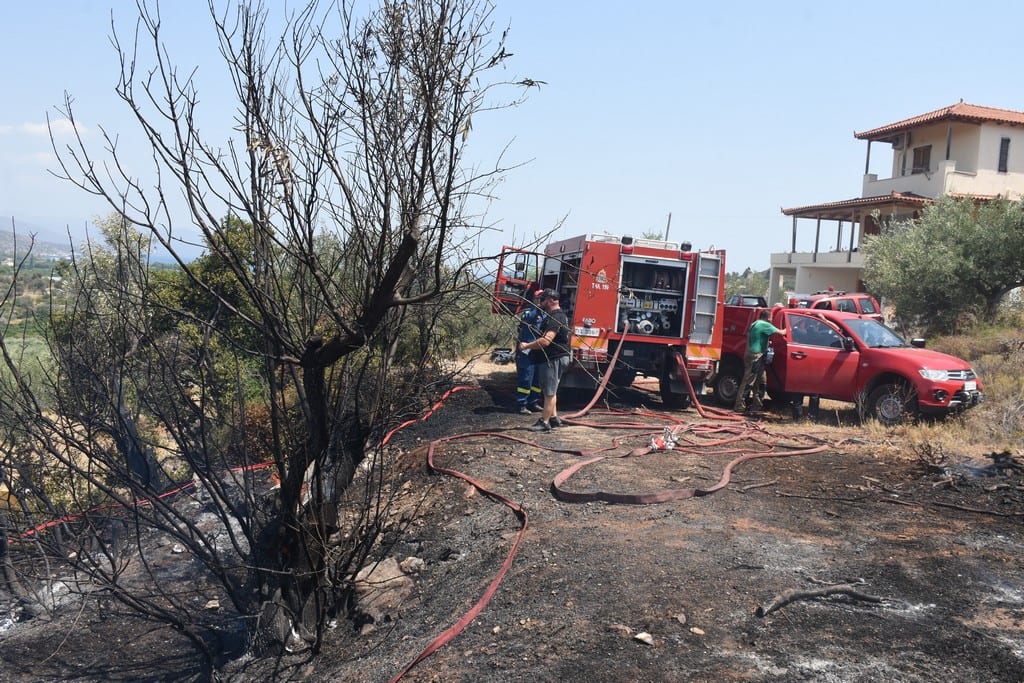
[{"x": 798, "y": 355}]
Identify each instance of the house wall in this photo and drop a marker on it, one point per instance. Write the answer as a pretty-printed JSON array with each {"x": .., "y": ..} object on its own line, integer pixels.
[
  {"x": 986, "y": 182},
  {"x": 964, "y": 149},
  {"x": 988, "y": 149},
  {"x": 810, "y": 279},
  {"x": 986, "y": 179}
]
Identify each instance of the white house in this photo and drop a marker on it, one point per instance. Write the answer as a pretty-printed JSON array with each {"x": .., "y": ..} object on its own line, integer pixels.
[{"x": 962, "y": 150}]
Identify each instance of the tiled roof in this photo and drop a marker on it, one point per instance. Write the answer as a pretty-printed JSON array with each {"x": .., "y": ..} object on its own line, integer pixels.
[
  {"x": 961, "y": 111},
  {"x": 845, "y": 210},
  {"x": 841, "y": 211}
]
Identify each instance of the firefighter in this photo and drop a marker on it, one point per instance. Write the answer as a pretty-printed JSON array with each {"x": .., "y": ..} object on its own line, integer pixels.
[
  {"x": 528, "y": 393},
  {"x": 550, "y": 351},
  {"x": 754, "y": 378}
]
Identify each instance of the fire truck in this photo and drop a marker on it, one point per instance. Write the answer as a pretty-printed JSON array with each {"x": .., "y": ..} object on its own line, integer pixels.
[{"x": 660, "y": 301}]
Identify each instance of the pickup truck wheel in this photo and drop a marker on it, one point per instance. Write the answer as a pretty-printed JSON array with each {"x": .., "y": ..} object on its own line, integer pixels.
[
  {"x": 727, "y": 383},
  {"x": 891, "y": 404}
]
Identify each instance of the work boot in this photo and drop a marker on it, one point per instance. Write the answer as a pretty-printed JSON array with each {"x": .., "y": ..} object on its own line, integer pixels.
[
  {"x": 535, "y": 408},
  {"x": 540, "y": 426}
]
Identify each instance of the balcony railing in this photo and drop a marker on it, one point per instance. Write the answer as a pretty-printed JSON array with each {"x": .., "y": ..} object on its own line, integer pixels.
[
  {"x": 822, "y": 258},
  {"x": 932, "y": 183}
]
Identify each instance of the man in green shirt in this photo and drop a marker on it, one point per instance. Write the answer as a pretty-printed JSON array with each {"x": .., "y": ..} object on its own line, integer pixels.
[{"x": 754, "y": 377}]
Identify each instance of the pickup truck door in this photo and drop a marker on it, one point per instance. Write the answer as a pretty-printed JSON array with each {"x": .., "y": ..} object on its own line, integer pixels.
[{"x": 810, "y": 359}]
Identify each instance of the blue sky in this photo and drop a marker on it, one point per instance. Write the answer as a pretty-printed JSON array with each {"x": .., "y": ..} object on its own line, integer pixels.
[{"x": 718, "y": 113}]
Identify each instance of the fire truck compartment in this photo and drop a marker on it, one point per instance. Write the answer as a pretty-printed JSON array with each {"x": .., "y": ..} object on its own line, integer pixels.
[{"x": 652, "y": 297}]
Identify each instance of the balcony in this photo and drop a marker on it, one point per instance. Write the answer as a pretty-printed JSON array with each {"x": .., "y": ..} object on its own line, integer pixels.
[
  {"x": 930, "y": 184},
  {"x": 835, "y": 259}
]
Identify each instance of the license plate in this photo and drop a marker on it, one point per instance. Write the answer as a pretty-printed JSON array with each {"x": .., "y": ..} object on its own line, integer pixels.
[{"x": 970, "y": 386}]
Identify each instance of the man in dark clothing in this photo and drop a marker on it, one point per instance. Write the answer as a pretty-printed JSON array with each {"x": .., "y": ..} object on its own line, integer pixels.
[
  {"x": 528, "y": 393},
  {"x": 550, "y": 352}
]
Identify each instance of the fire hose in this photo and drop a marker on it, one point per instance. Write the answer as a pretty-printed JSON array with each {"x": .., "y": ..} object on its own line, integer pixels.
[{"x": 667, "y": 441}]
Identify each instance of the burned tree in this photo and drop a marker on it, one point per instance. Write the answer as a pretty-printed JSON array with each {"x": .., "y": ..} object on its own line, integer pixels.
[{"x": 339, "y": 207}]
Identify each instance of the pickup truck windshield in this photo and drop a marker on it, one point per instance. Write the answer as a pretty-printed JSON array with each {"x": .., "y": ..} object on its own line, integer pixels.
[{"x": 875, "y": 335}]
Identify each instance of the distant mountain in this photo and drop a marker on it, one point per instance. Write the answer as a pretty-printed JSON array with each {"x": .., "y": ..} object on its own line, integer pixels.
[
  {"x": 44, "y": 243},
  {"x": 54, "y": 243}
]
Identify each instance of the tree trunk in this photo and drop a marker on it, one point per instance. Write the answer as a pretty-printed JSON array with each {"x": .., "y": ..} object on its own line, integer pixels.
[
  {"x": 992, "y": 301},
  {"x": 10, "y": 576}
]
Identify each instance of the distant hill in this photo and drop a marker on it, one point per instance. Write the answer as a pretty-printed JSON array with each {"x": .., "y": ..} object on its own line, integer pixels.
[
  {"x": 43, "y": 244},
  {"x": 54, "y": 243}
]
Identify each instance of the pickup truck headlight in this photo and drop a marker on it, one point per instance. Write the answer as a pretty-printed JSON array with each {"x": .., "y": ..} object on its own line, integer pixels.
[{"x": 934, "y": 375}]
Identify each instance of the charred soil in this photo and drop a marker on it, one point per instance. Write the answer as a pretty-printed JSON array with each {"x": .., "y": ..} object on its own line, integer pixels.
[{"x": 855, "y": 562}]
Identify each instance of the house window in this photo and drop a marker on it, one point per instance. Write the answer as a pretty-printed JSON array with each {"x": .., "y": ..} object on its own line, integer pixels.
[
  {"x": 1004, "y": 154},
  {"x": 922, "y": 159}
]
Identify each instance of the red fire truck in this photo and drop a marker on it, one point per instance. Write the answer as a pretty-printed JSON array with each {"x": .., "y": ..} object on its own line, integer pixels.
[{"x": 660, "y": 301}]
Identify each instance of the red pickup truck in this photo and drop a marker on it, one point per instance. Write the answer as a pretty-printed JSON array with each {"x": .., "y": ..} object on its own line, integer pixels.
[{"x": 847, "y": 357}]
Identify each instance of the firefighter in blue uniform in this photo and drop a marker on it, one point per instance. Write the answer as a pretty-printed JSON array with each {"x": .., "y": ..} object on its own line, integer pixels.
[{"x": 528, "y": 394}]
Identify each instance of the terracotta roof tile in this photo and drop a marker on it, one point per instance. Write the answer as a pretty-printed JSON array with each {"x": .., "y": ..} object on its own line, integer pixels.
[
  {"x": 961, "y": 111},
  {"x": 840, "y": 210}
]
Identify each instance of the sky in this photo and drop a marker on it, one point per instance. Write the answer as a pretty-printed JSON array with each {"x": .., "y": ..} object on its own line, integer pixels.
[{"x": 703, "y": 119}]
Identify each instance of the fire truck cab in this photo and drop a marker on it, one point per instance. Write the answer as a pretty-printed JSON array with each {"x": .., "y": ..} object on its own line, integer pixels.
[{"x": 660, "y": 301}]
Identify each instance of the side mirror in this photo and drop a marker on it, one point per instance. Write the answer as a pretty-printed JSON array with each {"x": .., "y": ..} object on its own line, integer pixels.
[
  {"x": 917, "y": 342},
  {"x": 520, "y": 265},
  {"x": 849, "y": 344}
]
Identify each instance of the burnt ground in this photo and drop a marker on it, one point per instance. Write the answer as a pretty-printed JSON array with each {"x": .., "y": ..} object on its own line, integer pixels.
[{"x": 905, "y": 570}]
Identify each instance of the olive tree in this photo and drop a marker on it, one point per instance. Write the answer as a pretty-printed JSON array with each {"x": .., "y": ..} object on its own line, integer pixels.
[
  {"x": 348, "y": 204},
  {"x": 956, "y": 261}
]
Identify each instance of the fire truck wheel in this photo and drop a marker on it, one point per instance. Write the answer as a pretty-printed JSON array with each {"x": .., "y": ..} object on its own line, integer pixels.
[{"x": 891, "y": 404}]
